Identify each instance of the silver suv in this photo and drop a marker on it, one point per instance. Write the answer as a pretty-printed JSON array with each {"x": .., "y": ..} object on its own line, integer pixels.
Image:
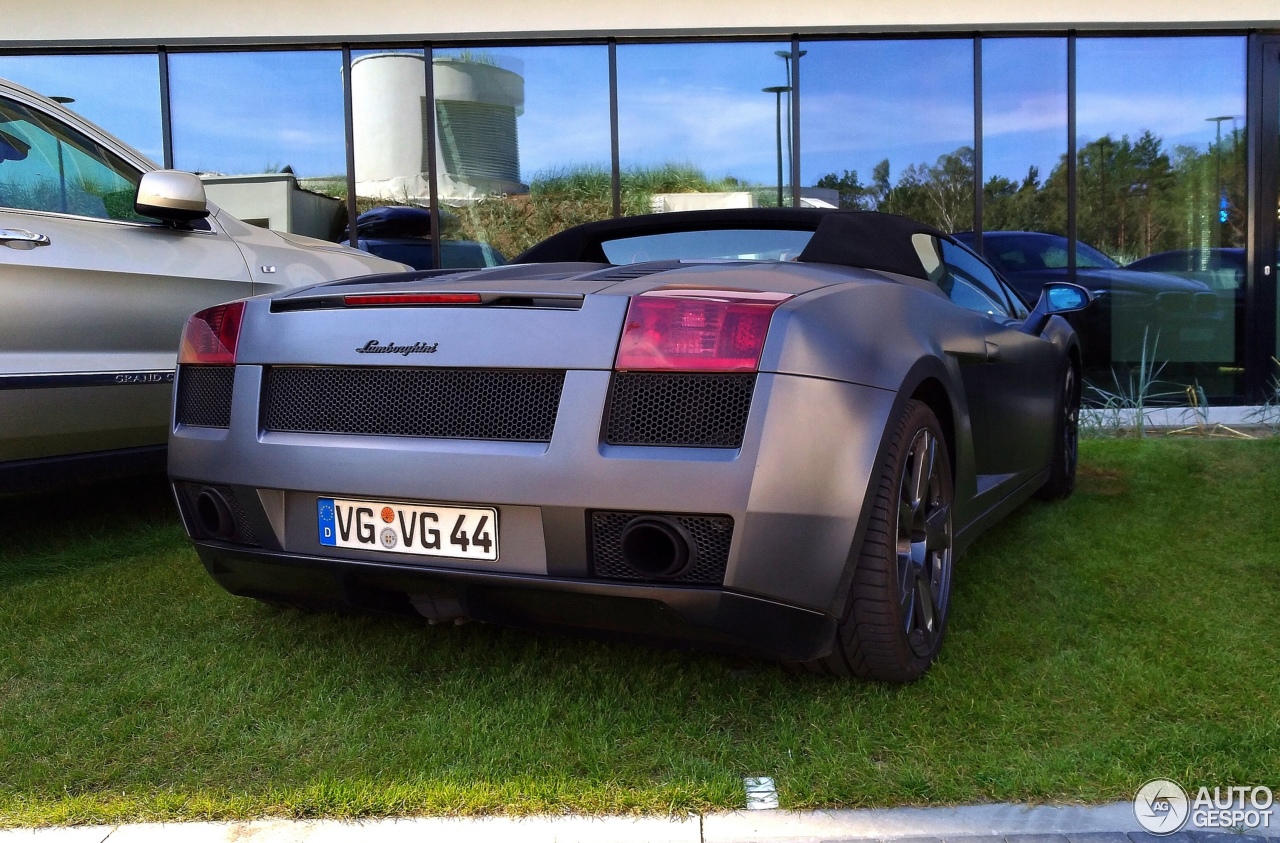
[{"x": 102, "y": 258}]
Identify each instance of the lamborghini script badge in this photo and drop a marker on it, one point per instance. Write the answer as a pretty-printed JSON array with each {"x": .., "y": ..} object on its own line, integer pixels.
[{"x": 375, "y": 347}]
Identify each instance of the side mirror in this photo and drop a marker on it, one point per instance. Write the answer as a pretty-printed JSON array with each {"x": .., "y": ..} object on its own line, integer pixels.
[
  {"x": 172, "y": 196},
  {"x": 1056, "y": 297},
  {"x": 13, "y": 148}
]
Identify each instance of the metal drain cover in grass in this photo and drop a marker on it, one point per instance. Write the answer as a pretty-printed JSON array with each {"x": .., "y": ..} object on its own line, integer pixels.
[{"x": 762, "y": 794}]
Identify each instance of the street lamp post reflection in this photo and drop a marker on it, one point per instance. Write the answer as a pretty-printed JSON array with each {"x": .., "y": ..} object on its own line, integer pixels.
[
  {"x": 778, "y": 91},
  {"x": 62, "y": 170},
  {"x": 787, "y": 56},
  {"x": 1217, "y": 161}
]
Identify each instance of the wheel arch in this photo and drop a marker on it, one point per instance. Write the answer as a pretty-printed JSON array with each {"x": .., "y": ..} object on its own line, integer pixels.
[
  {"x": 872, "y": 657},
  {"x": 926, "y": 381},
  {"x": 931, "y": 381},
  {"x": 934, "y": 395}
]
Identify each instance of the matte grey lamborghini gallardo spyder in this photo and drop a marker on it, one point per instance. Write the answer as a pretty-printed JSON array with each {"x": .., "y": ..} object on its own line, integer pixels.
[{"x": 767, "y": 431}]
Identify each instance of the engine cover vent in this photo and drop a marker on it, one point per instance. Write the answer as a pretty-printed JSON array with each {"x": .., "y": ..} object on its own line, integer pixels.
[{"x": 628, "y": 272}]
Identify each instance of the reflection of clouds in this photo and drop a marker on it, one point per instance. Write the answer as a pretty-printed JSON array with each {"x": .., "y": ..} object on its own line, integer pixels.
[
  {"x": 245, "y": 140},
  {"x": 725, "y": 132},
  {"x": 1033, "y": 130},
  {"x": 857, "y": 122},
  {"x": 1175, "y": 119},
  {"x": 120, "y": 93},
  {"x": 1022, "y": 132},
  {"x": 239, "y": 112},
  {"x": 1030, "y": 114},
  {"x": 551, "y": 140}
]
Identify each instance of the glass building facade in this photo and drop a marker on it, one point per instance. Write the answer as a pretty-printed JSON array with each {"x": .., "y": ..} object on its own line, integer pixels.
[{"x": 1142, "y": 166}]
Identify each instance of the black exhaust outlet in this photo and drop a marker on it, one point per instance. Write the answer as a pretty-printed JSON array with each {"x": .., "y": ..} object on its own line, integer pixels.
[
  {"x": 657, "y": 546},
  {"x": 213, "y": 513}
]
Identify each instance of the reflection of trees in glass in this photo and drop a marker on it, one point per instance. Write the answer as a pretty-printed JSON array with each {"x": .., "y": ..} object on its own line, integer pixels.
[
  {"x": 85, "y": 198},
  {"x": 562, "y": 198},
  {"x": 1134, "y": 198},
  {"x": 940, "y": 194},
  {"x": 557, "y": 199},
  {"x": 1121, "y": 189},
  {"x": 513, "y": 223},
  {"x": 1025, "y": 205}
]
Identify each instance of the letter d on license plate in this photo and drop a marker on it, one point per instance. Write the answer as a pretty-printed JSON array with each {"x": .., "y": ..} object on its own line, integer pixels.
[{"x": 415, "y": 529}]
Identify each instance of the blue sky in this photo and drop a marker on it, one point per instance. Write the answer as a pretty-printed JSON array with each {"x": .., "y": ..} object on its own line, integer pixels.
[
  {"x": 861, "y": 102},
  {"x": 247, "y": 112},
  {"x": 908, "y": 101},
  {"x": 1177, "y": 87},
  {"x": 119, "y": 93},
  {"x": 701, "y": 104}
]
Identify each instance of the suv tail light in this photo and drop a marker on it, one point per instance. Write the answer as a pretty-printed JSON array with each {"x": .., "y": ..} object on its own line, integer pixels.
[
  {"x": 210, "y": 336},
  {"x": 696, "y": 330}
]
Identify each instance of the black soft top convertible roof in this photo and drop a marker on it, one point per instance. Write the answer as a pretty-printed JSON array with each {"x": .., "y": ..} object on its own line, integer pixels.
[{"x": 864, "y": 239}]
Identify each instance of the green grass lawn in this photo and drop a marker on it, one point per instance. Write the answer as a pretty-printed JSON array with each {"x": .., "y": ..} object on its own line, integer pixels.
[{"x": 1126, "y": 634}]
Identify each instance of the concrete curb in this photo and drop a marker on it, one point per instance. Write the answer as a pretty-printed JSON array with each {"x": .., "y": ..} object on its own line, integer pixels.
[
  {"x": 913, "y": 823},
  {"x": 1113, "y": 823},
  {"x": 1176, "y": 418},
  {"x": 415, "y": 830}
]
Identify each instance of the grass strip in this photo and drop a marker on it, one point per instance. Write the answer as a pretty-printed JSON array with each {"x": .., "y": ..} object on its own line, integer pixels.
[{"x": 1126, "y": 634}]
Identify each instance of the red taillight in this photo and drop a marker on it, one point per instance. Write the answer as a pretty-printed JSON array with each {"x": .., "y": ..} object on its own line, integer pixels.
[
  {"x": 211, "y": 335},
  {"x": 697, "y": 330},
  {"x": 394, "y": 299}
]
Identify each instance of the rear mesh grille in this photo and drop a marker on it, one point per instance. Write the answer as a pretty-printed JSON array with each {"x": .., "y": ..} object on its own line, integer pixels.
[
  {"x": 711, "y": 533},
  {"x": 512, "y": 405},
  {"x": 665, "y": 408},
  {"x": 204, "y": 395}
]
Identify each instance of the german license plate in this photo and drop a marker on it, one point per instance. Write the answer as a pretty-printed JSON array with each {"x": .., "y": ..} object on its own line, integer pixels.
[{"x": 415, "y": 529}]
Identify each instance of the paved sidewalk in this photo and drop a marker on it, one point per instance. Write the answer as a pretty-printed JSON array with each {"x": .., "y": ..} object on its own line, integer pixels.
[{"x": 1112, "y": 823}]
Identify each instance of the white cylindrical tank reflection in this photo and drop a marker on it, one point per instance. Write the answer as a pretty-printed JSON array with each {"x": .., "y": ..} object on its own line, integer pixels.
[
  {"x": 477, "y": 149},
  {"x": 387, "y": 93}
]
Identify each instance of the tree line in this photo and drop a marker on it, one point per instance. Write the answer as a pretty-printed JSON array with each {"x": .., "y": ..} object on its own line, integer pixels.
[{"x": 1133, "y": 197}]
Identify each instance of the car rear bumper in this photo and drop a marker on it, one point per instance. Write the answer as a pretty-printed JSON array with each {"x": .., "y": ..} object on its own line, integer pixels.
[
  {"x": 794, "y": 491},
  {"x": 712, "y": 618}
]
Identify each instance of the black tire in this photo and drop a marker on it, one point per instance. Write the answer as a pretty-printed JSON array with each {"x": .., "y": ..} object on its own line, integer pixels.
[
  {"x": 897, "y": 614},
  {"x": 1066, "y": 440}
]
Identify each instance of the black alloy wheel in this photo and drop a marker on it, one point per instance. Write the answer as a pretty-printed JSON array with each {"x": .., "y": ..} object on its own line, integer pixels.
[
  {"x": 924, "y": 545},
  {"x": 1066, "y": 441}
]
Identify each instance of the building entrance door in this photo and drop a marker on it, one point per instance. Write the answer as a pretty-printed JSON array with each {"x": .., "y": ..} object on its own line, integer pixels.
[
  {"x": 1264, "y": 243},
  {"x": 1266, "y": 259}
]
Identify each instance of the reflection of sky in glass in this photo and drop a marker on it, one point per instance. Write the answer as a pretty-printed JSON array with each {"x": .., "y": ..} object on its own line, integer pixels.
[
  {"x": 565, "y": 124},
  {"x": 240, "y": 113},
  {"x": 1166, "y": 85},
  {"x": 909, "y": 101},
  {"x": 121, "y": 93},
  {"x": 864, "y": 101},
  {"x": 701, "y": 104},
  {"x": 1024, "y": 105}
]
